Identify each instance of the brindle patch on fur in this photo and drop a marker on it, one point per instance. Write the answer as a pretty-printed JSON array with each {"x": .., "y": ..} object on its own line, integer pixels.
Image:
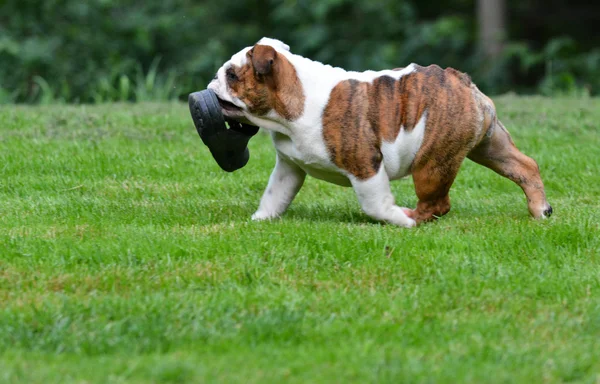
[
  {"x": 360, "y": 116},
  {"x": 352, "y": 140}
]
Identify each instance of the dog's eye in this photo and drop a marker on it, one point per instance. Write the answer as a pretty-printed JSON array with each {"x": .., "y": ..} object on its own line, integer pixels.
[{"x": 231, "y": 76}]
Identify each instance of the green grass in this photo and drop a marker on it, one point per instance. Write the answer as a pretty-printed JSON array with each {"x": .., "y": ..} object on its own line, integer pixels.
[{"x": 127, "y": 255}]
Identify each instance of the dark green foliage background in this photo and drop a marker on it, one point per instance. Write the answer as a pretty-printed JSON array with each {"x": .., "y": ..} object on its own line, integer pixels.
[{"x": 111, "y": 50}]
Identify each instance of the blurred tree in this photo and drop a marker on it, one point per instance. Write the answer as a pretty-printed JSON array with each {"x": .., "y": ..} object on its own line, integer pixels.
[
  {"x": 104, "y": 50},
  {"x": 491, "y": 25}
]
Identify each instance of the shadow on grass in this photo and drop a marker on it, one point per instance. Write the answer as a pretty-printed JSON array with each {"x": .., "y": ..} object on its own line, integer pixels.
[{"x": 328, "y": 214}]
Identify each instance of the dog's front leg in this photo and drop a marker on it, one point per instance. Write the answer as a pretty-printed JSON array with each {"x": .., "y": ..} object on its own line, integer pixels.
[
  {"x": 376, "y": 199},
  {"x": 285, "y": 182}
]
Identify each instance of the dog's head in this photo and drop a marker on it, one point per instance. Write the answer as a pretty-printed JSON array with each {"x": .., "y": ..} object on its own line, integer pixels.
[{"x": 260, "y": 82}]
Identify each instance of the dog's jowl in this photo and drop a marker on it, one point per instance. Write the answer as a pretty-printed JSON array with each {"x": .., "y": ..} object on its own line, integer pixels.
[{"x": 363, "y": 129}]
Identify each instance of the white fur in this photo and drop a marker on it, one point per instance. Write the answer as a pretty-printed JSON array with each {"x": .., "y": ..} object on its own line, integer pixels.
[
  {"x": 399, "y": 155},
  {"x": 274, "y": 43},
  {"x": 377, "y": 201},
  {"x": 284, "y": 184},
  {"x": 301, "y": 142},
  {"x": 288, "y": 150}
]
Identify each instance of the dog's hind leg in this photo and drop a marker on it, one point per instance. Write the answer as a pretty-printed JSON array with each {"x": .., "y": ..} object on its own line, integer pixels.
[
  {"x": 498, "y": 152},
  {"x": 432, "y": 182},
  {"x": 285, "y": 182}
]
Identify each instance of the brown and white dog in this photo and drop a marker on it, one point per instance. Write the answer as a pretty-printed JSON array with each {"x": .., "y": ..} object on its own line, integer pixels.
[{"x": 363, "y": 129}]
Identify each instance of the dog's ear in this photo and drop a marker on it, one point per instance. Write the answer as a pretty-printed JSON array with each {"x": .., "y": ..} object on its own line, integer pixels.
[{"x": 264, "y": 60}]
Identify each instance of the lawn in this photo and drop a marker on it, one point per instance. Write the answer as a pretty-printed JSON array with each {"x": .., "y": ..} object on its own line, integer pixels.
[{"x": 127, "y": 255}]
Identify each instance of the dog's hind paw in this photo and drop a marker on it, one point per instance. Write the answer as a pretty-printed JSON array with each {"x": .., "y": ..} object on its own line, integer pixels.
[{"x": 547, "y": 212}]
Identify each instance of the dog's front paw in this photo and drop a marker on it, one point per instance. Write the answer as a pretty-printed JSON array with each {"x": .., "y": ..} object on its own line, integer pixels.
[{"x": 262, "y": 215}]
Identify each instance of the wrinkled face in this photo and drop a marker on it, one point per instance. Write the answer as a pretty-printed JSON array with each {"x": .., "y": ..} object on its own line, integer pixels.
[{"x": 259, "y": 81}]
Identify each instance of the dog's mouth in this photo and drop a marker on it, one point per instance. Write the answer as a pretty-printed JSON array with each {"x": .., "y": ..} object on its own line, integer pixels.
[
  {"x": 227, "y": 106},
  {"x": 233, "y": 113}
]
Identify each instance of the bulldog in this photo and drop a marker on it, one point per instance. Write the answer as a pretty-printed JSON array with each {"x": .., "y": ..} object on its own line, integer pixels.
[{"x": 364, "y": 129}]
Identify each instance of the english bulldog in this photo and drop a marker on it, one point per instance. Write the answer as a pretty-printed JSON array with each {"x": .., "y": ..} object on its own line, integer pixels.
[{"x": 364, "y": 129}]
